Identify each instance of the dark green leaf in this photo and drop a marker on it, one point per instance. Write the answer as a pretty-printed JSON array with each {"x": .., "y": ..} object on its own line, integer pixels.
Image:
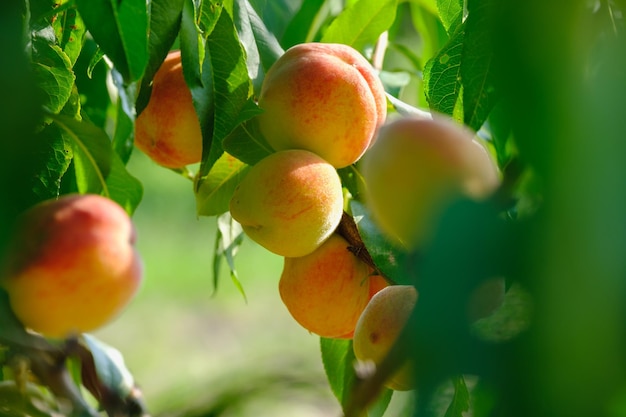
[
  {"x": 216, "y": 189},
  {"x": 300, "y": 27},
  {"x": 110, "y": 367},
  {"x": 451, "y": 13},
  {"x": 70, "y": 32},
  {"x": 460, "y": 401},
  {"x": 338, "y": 359},
  {"x": 442, "y": 76},
  {"x": 479, "y": 92},
  {"x": 123, "y": 136},
  {"x": 121, "y": 29},
  {"x": 247, "y": 143},
  {"x": 387, "y": 257},
  {"x": 232, "y": 87},
  {"x": 92, "y": 153},
  {"x": 165, "y": 18},
  {"x": 53, "y": 71},
  {"x": 361, "y": 23}
]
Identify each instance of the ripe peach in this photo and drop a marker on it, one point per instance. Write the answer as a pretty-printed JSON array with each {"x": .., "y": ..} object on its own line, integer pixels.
[
  {"x": 377, "y": 283},
  {"x": 72, "y": 265},
  {"x": 168, "y": 129},
  {"x": 415, "y": 168},
  {"x": 327, "y": 290},
  {"x": 325, "y": 98},
  {"x": 380, "y": 325},
  {"x": 289, "y": 202}
]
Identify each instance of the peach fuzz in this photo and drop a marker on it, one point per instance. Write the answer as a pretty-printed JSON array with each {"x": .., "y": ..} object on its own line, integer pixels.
[
  {"x": 379, "y": 327},
  {"x": 72, "y": 265},
  {"x": 290, "y": 202},
  {"x": 327, "y": 290},
  {"x": 417, "y": 167},
  {"x": 325, "y": 98},
  {"x": 168, "y": 129}
]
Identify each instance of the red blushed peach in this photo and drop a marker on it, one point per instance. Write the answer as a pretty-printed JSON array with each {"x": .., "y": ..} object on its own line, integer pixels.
[
  {"x": 417, "y": 167},
  {"x": 168, "y": 129},
  {"x": 327, "y": 290},
  {"x": 72, "y": 265},
  {"x": 290, "y": 202},
  {"x": 325, "y": 98}
]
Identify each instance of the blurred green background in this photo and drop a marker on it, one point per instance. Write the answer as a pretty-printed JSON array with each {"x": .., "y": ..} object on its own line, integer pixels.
[{"x": 200, "y": 352}]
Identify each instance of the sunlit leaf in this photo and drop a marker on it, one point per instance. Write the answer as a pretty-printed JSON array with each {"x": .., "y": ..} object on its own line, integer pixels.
[
  {"x": 216, "y": 189},
  {"x": 92, "y": 153},
  {"x": 53, "y": 71},
  {"x": 70, "y": 31},
  {"x": 362, "y": 23},
  {"x": 451, "y": 13},
  {"x": 442, "y": 76}
]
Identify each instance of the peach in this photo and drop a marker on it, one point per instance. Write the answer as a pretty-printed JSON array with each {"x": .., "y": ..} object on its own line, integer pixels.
[
  {"x": 168, "y": 129},
  {"x": 417, "y": 167},
  {"x": 72, "y": 265},
  {"x": 290, "y": 202},
  {"x": 380, "y": 325},
  {"x": 377, "y": 283},
  {"x": 327, "y": 290},
  {"x": 325, "y": 98}
]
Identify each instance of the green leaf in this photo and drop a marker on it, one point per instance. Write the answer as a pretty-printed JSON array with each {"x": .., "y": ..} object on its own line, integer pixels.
[
  {"x": 247, "y": 143},
  {"x": 460, "y": 401},
  {"x": 229, "y": 238},
  {"x": 54, "y": 155},
  {"x": 121, "y": 29},
  {"x": 126, "y": 114},
  {"x": 442, "y": 75},
  {"x": 232, "y": 87},
  {"x": 388, "y": 258},
  {"x": 361, "y": 23},
  {"x": 338, "y": 359},
  {"x": 165, "y": 20},
  {"x": 379, "y": 407},
  {"x": 122, "y": 187},
  {"x": 53, "y": 71},
  {"x": 301, "y": 26},
  {"x": 216, "y": 189},
  {"x": 92, "y": 153},
  {"x": 477, "y": 73},
  {"x": 110, "y": 367},
  {"x": 70, "y": 31},
  {"x": 450, "y": 13},
  {"x": 267, "y": 44}
]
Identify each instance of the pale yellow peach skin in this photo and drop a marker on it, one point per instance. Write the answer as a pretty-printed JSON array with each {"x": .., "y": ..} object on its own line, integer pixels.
[
  {"x": 290, "y": 202},
  {"x": 380, "y": 325},
  {"x": 327, "y": 290},
  {"x": 415, "y": 168},
  {"x": 72, "y": 265},
  {"x": 168, "y": 129},
  {"x": 325, "y": 98}
]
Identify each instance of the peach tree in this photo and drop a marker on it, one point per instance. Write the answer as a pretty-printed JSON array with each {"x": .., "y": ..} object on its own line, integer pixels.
[{"x": 516, "y": 291}]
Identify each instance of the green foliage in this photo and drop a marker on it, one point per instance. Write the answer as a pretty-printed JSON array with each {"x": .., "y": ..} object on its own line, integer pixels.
[{"x": 543, "y": 83}]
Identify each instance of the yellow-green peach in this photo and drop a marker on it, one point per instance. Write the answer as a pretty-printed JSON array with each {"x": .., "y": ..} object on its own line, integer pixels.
[
  {"x": 417, "y": 167},
  {"x": 290, "y": 202}
]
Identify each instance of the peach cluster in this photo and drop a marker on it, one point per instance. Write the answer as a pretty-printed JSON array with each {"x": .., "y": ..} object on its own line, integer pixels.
[
  {"x": 72, "y": 265},
  {"x": 322, "y": 106}
]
